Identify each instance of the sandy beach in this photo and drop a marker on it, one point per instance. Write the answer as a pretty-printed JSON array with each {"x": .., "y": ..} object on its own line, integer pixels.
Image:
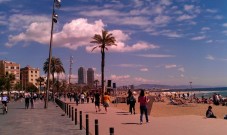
[{"x": 165, "y": 109}]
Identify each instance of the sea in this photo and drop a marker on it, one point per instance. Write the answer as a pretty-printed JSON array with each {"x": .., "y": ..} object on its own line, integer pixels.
[{"x": 208, "y": 92}]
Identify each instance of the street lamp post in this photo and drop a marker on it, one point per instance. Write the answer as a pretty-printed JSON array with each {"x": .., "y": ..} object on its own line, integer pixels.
[{"x": 54, "y": 18}]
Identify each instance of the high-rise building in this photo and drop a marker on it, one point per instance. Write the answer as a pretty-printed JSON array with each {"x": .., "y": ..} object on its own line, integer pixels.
[
  {"x": 8, "y": 67},
  {"x": 29, "y": 75},
  {"x": 90, "y": 77},
  {"x": 82, "y": 76}
]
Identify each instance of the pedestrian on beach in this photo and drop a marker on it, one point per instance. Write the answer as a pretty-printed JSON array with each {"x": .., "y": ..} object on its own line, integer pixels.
[
  {"x": 132, "y": 102},
  {"x": 97, "y": 101},
  {"x": 106, "y": 101},
  {"x": 209, "y": 113},
  {"x": 143, "y": 100}
]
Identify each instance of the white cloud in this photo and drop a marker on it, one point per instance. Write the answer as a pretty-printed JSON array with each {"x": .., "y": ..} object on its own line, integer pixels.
[
  {"x": 170, "y": 66},
  {"x": 140, "y": 21},
  {"x": 121, "y": 47},
  {"x": 185, "y": 17},
  {"x": 129, "y": 65},
  {"x": 198, "y": 38},
  {"x": 225, "y": 32},
  {"x": 218, "y": 17},
  {"x": 211, "y": 10},
  {"x": 209, "y": 41},
  {"x": 2, "y": 1},
  {"x": 24, "y": 21},
  {"x": 181, "y": 69},
  {"x": 161, "y": 19},
  {"x": 116, "y": 77},
  {"x": 166, "y": 2},
  {"x": 74, "y": 34},
  {"x": 205, "y": 28},
  {"x": 156, "y": 55},
  {"x": 3, "y": 53},
  {"x": 224, "y": 25},
  {"x": 209, "y": 57},
  {"x": 104, "y": 12},
  {"x": 144, "y": 69},
  {"x": 188, "y": 7}
]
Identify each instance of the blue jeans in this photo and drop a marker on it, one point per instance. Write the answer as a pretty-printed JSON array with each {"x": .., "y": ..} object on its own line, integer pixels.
[{"x": 143, "y": 110}]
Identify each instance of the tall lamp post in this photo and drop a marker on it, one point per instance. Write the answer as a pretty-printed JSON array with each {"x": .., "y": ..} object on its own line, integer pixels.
[{"x": 54, "y": 19}]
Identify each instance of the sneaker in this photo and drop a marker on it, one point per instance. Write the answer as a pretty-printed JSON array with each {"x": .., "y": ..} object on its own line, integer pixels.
[
  {"x": 141, "y": 123},
  {"x": 148, "y": 121}
]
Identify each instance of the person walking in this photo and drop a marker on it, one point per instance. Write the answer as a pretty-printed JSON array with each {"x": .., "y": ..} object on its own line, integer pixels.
[
  {"x": 106, "y": 101},
  {"x": 132, "y": 102},
  {"x": 143, "y": 100},
  {"x": 27, "y": 97},
  {"x": 97, "y": 101},
  {"x": 32, "y": 101}
]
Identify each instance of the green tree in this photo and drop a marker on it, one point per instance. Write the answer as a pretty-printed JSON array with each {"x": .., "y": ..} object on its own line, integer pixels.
[
  {"x": 8, "y": 81},
  {"x": 31, "y": 87},
  {"x": 56, "y": 67},
  {"x": 2, "y": 84},
  {"x": 103, "y": 41},
  {"x": 40, "y": 80}
]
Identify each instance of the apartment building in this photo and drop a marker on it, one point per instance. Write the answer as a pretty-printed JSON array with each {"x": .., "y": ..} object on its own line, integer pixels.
[
  {"x": 29, "y": 75},
  {"x": 8, "y": 67}
]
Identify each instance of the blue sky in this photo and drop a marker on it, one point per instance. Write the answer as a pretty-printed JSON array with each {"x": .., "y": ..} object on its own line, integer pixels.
[{"x": 158, "y": 41}]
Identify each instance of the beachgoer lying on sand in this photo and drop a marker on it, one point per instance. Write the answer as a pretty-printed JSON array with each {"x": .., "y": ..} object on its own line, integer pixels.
[{"x": 209, "y": 113}]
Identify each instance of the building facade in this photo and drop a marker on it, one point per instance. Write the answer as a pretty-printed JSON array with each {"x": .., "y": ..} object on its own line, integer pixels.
[
  {"x": 90, "y": 77},
  {"x": 8, "y": 67},
  {"x": 82, "y": 76},
  {"x": 29, "y": 75}
]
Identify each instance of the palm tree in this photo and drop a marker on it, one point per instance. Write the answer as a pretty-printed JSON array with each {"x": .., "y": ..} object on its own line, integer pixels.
[
  {"x": 103, "y": 41},
  {"x": 40, "y": 80},
  {"x": 56, "y": 67}
]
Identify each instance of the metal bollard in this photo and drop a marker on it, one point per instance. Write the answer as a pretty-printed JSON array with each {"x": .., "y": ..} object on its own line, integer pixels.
[
  {"x": 80, "y": 120},
  {"x": 69, "y": 111},
  {"x": 111, "y": 131},
  {"x": 67, "y": 108},
  {"x": 72, "y": 113},
  {"x": 96, "y": 127},
  {"x": 87, "y": 125},
  {"x": 75, "y": 116}
]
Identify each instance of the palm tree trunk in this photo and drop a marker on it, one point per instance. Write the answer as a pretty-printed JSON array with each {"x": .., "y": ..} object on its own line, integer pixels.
[{"x": 102, "y": 71}]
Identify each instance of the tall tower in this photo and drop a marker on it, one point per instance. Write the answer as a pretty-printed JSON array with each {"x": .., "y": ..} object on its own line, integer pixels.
[
  {"x": 70, "y": 71},
  {"x": 90, "y": 77},
  {"x": 82, "y": 75}
]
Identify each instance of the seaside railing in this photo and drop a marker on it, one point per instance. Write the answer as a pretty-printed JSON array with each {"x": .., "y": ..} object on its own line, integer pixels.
[{"x": 72, "y": 113}]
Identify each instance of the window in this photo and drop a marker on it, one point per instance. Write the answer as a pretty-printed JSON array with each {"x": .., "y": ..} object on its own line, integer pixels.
[
  {"x": 12, "y": 67},
  {"x": 35, "y": 71},
  {"x": 31, "y": 71}
]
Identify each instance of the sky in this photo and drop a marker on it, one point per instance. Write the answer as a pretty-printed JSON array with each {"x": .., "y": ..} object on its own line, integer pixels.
[{"x": 171, "y": 42}]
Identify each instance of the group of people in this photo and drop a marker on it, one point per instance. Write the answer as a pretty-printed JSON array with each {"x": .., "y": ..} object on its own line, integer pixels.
[{"x": 143, "y": 100}]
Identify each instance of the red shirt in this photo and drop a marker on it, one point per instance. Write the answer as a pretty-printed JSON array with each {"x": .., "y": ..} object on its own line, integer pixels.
[{"x": 142, "y": 100}]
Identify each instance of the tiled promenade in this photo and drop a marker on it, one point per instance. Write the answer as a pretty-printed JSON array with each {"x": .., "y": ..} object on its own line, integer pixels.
[
  {"x": 38, "y": 121},
  {"x": 127, "y": 124}
]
